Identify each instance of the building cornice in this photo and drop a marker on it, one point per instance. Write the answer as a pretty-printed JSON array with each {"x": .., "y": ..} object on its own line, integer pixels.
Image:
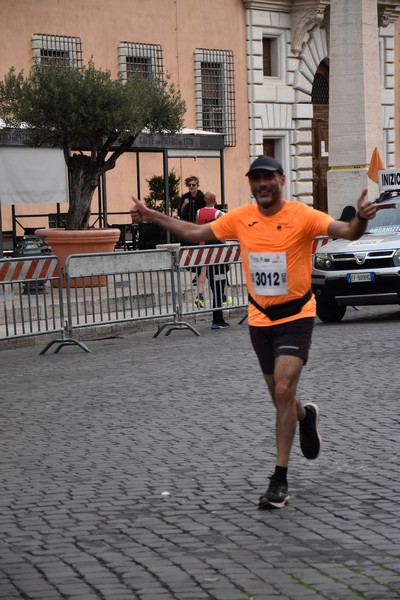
[
  {"x": 274, "y": 5},
  {"x": 388, "y": 12}
]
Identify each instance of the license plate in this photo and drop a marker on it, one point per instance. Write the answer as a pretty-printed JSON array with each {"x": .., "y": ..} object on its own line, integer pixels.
[{"x": 360, "y": 277}]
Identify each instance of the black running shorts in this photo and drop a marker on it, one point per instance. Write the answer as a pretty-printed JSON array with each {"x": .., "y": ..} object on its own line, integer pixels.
[{"x": 287, "y": 339}]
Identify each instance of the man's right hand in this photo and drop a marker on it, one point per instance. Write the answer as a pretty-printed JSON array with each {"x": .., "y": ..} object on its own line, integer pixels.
[{"x": 139, "y": 211}]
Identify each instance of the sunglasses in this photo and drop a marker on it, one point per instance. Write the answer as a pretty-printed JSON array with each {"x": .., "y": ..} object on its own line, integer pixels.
[{"x": 192, "y": 184}]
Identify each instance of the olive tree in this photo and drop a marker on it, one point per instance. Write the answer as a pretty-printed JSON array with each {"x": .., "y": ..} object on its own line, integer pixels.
[{"x": 91, "y": 116}]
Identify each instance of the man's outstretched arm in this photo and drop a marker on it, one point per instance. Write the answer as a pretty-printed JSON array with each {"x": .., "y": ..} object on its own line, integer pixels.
[{"x": 182, "y": 229}]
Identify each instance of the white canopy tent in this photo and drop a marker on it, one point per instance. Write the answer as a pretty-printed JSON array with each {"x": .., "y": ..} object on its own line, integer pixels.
[
  {"x": 29, "y": 175},
  {"x": 32, "y": 175}
]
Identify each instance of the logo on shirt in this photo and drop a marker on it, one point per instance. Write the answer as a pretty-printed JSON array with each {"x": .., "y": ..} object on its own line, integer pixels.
[{"x": 251, "y": 224}]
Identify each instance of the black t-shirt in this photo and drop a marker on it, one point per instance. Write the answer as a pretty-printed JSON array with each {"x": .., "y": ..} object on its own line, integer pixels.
[{"x": 188, "y": 213}]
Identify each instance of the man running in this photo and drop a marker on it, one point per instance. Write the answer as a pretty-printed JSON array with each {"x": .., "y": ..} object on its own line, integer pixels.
[{"x": 275, "y": 238}]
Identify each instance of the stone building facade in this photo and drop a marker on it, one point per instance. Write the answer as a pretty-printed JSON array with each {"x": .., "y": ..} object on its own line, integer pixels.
[{"x": 289, "y": 80}]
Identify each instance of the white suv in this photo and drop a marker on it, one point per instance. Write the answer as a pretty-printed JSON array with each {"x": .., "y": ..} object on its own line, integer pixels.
[{"x": 363, "y": 272}]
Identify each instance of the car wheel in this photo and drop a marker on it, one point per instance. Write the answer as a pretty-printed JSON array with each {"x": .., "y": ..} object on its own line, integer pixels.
[{"x": 330, "y": 313}]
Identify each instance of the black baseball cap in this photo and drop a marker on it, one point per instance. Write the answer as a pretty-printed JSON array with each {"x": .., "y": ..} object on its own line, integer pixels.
[{"x": 265, "y": 163}]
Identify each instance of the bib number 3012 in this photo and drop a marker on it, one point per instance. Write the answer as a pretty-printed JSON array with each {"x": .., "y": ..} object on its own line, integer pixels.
[
  {"x": 268, "y": 273},
  {"x": 267, "y": 279}
]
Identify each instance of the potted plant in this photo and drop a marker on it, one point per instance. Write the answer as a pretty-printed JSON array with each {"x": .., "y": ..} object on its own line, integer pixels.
[{"x": 91, "y": 116}]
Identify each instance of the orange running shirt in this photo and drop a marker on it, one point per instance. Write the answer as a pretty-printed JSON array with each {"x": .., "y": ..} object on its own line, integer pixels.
[{"x": 276, "y": 253}]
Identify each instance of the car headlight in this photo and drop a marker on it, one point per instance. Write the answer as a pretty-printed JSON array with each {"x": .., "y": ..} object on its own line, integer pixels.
[
  {"x": 322, "y": 261},
  {"x": 396, "y": 258}
]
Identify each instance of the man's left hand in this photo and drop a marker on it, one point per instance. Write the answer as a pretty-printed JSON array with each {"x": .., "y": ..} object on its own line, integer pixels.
[{"x": 366, "y": 208}]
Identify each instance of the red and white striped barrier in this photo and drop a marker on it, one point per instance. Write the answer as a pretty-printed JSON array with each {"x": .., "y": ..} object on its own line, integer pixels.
[
  {"x": 205, "y": 255},
  {"x": 319, "y": 242},
  {"x": 34, "y": 268}
]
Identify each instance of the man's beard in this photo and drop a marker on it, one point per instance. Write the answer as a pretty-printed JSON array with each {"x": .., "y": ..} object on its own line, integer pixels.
[{"x": 267, "y": 201}]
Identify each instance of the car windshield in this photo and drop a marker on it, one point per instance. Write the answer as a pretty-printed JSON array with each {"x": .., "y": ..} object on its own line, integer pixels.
[{"x": 387, "y": 219}]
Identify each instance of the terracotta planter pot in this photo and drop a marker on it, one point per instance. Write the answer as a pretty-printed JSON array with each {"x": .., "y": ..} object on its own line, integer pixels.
[{"x": 64, "y": 242}]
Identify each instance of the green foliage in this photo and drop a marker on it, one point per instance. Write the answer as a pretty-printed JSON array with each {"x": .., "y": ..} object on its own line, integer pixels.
[
  {"x": 85, "y": 109},
  {"x": 156, "y": 198},
  {"x": 68, "y": 107}
]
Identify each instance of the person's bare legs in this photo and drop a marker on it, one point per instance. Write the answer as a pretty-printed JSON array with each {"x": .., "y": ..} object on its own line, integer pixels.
[
  {"x": 282, "y": 385},
  {"x": 200, "y": 280}
]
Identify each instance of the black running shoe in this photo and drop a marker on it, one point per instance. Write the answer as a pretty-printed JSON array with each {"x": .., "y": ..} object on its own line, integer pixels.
[
  {"x": 276, "y": 496},
  {"x": 310, "y": 439}
]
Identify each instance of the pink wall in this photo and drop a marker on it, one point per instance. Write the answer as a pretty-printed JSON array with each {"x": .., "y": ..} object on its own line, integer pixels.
[
  {"x": 397, "y": 89},
  {"x": 180, "y": 26}
]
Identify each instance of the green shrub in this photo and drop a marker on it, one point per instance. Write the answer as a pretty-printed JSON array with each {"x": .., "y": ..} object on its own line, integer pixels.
[{"x": 156, "y": 197}]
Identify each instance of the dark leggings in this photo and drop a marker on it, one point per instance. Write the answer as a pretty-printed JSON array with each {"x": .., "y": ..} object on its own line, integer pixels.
[{"x": 217, "y": 278}]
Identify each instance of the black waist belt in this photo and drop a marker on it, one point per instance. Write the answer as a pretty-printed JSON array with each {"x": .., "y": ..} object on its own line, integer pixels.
[{"x": 280, "y": 311}]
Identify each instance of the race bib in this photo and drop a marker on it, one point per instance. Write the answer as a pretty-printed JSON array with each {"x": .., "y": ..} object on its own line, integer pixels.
[{"x": 268, "y": 273}]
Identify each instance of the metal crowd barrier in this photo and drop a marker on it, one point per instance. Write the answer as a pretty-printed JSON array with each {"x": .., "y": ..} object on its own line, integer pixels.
[
  {"x": 30, "y": 304},
  {"x": 116, "y": 287},
  {"x": 195, "y": 262},
  {"x": 37, "y": 296},
  {"x": 319, "y": 242}
]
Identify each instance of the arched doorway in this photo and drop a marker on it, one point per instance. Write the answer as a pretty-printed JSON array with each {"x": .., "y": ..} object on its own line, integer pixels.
[{"x": 320, "y": 135}]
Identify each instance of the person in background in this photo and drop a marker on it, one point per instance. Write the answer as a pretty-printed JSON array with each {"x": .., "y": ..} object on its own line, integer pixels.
[
  {"x": 216, "y": 273},
  {"x": 276, "y": 238},
  {"x": 348, "y": 213},
  {"x": 191, "y": 202}
]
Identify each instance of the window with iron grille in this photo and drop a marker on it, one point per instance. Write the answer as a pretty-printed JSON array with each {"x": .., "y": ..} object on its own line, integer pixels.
[
  {"x": 320, "y": 90},
  {"x": 215, "y": 93},
  {"x": 61, "y": 49},
  {"x": 145, "y": 60}
]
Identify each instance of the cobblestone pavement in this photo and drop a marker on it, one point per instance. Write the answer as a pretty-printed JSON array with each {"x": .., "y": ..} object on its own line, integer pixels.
[{"x": 133, "y": 472}]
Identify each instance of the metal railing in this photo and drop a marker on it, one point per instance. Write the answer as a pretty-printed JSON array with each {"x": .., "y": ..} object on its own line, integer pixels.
[
  {"x": 30, "y": 297},
  {"x": 116, "y": 287}
]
